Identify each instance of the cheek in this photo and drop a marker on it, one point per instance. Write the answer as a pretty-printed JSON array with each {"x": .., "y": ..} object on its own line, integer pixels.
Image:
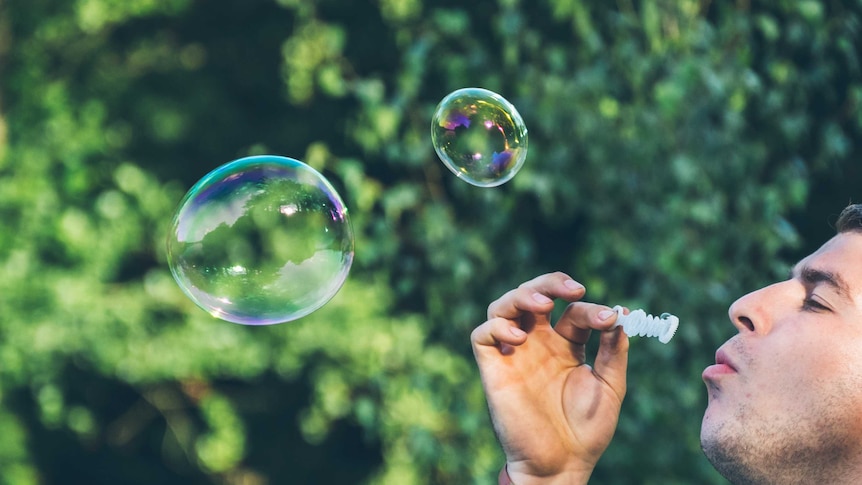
[
  {"x": 837, "y": 355},
  {"x": 787, "y": 373},
  {"x": 843, "y": 367},
  {"x": 819, "y": 374}
]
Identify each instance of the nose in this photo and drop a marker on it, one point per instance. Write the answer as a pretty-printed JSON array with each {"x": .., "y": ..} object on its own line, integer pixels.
[{"x": 751, "y": 313}]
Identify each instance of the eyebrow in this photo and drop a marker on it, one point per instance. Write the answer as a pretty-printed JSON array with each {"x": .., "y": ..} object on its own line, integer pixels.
[{"x": 813, "y": 276}]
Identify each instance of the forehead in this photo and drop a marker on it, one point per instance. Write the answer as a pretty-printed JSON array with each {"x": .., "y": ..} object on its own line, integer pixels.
[{"x": 841, "y": 256}]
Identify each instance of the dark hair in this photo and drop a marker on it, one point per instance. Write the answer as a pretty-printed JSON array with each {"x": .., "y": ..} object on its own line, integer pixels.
[{"x": 850, "y": 219}]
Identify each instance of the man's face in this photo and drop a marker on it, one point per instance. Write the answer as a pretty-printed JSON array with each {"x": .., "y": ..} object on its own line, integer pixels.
[{"x": 785, "y": 397}]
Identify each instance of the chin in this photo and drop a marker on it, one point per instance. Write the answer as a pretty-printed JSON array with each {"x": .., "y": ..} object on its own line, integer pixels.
[
  {"x": 728, "y": 458},
  {"x": 712, "y": 420}
]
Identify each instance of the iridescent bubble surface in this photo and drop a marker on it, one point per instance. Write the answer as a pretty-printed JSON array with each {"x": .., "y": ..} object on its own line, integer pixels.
[
  {"x": 479, "y": 136},
  {"x": 261, "y": 240}
]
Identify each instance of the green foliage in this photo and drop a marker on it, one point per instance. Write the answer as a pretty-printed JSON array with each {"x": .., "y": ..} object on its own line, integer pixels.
[{"x": 681, "y": 154}]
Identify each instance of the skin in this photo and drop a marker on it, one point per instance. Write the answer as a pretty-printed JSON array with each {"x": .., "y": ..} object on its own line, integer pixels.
[
  {"x": 785, "y": 397},
  {"x": 554, "y": 415},
  {"x": 786, "y": 406}
]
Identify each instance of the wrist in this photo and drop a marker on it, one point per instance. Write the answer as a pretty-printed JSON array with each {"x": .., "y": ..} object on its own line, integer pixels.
[{"x": 571, "y": 477}]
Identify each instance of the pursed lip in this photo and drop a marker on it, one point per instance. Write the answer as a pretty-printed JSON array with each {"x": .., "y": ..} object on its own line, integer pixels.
[{"x": 723, "y": 366}]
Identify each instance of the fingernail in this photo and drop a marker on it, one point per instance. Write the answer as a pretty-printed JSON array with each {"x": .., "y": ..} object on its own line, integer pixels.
[
  {"x": 517, "y": 332},
  {"x": 540, "y": 298},
  {"x": 605, "y": 314},
  {"x": 573, "y": 285}
]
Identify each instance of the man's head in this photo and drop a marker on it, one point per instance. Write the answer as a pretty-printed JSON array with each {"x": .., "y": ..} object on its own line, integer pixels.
[{"x": 785, "y": 395}]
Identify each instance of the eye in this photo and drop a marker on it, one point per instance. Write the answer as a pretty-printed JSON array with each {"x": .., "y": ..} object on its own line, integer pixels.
[{"x": 810, "y": 304}]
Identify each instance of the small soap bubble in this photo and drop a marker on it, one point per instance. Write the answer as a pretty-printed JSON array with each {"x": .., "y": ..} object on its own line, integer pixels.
[
  {"x": 261, "y": 240},
  {"x": 479, "y": 136}
]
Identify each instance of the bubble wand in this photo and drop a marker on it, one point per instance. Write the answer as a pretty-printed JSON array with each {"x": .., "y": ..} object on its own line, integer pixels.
[{"x": 638, "y": 323}]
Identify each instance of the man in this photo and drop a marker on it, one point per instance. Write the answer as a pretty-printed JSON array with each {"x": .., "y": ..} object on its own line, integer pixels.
[{"x": 785, "y": 394}]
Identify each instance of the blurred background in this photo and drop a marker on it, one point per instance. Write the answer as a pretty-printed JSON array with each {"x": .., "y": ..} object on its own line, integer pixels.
[{"x": 681, "y": 154}]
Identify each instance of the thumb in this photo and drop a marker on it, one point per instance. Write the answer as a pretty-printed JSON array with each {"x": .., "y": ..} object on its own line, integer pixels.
[{"x": 612, "y": 359}]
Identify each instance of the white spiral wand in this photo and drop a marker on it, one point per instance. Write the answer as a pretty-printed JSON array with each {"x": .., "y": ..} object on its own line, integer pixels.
[{"x": 643, "y": 325}]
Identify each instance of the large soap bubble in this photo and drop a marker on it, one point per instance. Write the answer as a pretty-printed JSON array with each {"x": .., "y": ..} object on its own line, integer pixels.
[
  {"x": 479, "y": 136},
  {"x": 261, "y": 240}
]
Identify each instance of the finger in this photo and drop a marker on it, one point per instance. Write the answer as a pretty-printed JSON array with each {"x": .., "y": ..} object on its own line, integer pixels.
[
  {"x": 612, "y": 359},
  {"x": 536, "y": 296},
  {"x": 497, "y": 332},
  {"x": 580, "y": 318}
]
